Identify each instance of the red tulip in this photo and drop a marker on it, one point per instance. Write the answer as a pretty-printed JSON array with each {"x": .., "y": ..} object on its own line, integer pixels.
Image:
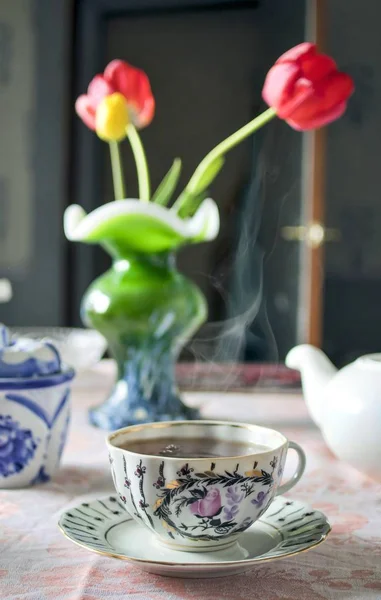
[
  {"x": 119, "y": 77},
  {"x": 306, "y": 89}
]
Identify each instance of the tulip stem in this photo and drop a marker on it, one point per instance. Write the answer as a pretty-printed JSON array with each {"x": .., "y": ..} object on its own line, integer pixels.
[
  {"x": 186, "y": 205},
  {"x": 117, "y": 171},
  {"x": 229, "y": 143},
  {"x": 141, "y": 163}
]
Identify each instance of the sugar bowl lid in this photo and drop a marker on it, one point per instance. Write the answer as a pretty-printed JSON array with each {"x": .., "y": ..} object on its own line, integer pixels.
[{"x": 21, "y": 357}]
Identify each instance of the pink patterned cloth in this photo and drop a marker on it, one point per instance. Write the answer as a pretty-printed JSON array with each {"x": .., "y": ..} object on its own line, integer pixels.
[{"x": 38, "y": 563}]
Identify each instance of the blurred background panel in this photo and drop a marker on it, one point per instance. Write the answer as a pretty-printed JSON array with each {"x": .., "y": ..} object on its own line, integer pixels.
[
  {"x": 352, "y": 267},
  {"x": 35, "y": 47}
]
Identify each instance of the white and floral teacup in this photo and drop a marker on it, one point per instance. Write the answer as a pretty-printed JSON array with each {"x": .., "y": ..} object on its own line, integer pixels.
[{"x": 200, "y": 504}]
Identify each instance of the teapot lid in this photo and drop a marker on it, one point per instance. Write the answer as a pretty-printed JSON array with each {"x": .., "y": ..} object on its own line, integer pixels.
[{"x": 370, "y": 361}]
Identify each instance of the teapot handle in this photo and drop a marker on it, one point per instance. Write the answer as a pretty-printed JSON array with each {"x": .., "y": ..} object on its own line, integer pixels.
[{"x": 299, "y": 469}]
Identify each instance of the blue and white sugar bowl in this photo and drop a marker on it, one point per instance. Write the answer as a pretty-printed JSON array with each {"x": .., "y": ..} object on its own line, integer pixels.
[{"x": 34, "y": 410}]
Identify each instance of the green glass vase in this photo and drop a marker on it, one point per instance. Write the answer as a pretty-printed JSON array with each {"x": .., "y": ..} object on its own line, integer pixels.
[{"x": 146, "y": 310}]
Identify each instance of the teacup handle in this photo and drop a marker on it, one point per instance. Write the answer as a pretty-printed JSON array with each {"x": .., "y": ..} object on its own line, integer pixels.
[{"x": 299, "y": 469}]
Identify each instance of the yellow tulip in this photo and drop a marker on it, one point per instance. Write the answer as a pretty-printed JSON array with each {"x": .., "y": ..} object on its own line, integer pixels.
[{"x": 112, "y": 118}]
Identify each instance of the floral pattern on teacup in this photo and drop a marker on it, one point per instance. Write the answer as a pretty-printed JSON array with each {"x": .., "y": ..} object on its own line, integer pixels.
[
  {"x": 209, "y": 505},
  {"x": 211, "y": 500}
]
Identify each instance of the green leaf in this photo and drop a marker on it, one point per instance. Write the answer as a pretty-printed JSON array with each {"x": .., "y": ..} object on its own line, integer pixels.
[
  {"x": 187, "y": 203},
  {"x": 166, "y": 188},
  {"x": 195, "y": 192},
  {"x": 192, "y": 500},
  {"x": 198, "y": 493},
  {"x": 199, "y": 184}
]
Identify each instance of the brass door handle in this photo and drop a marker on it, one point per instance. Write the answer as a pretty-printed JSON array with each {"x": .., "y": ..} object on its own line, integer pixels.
[{"x": 314, "y": 234}]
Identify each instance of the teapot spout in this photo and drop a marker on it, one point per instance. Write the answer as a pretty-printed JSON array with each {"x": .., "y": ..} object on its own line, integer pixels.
[{"x": 316, "y": 371}]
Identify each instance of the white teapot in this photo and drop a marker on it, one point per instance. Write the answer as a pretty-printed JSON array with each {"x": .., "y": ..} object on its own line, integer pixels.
[{"x": 345, "y": 404}]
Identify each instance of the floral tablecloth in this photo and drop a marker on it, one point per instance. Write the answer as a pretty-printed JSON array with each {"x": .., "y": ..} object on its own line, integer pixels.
[{"x": 38, "y": 563}]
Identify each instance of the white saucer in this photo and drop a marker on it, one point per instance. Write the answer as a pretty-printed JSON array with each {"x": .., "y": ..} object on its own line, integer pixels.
[{"x": 287, "y": 528}]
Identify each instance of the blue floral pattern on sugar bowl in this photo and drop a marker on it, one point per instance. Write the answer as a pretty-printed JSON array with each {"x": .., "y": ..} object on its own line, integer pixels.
[
  {"x": 34, "y": 410},
  {"x": 17, "y": 446}
]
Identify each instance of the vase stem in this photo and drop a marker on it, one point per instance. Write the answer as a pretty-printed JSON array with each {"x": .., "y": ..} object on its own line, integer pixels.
[{"x": 145, "y": 392}]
